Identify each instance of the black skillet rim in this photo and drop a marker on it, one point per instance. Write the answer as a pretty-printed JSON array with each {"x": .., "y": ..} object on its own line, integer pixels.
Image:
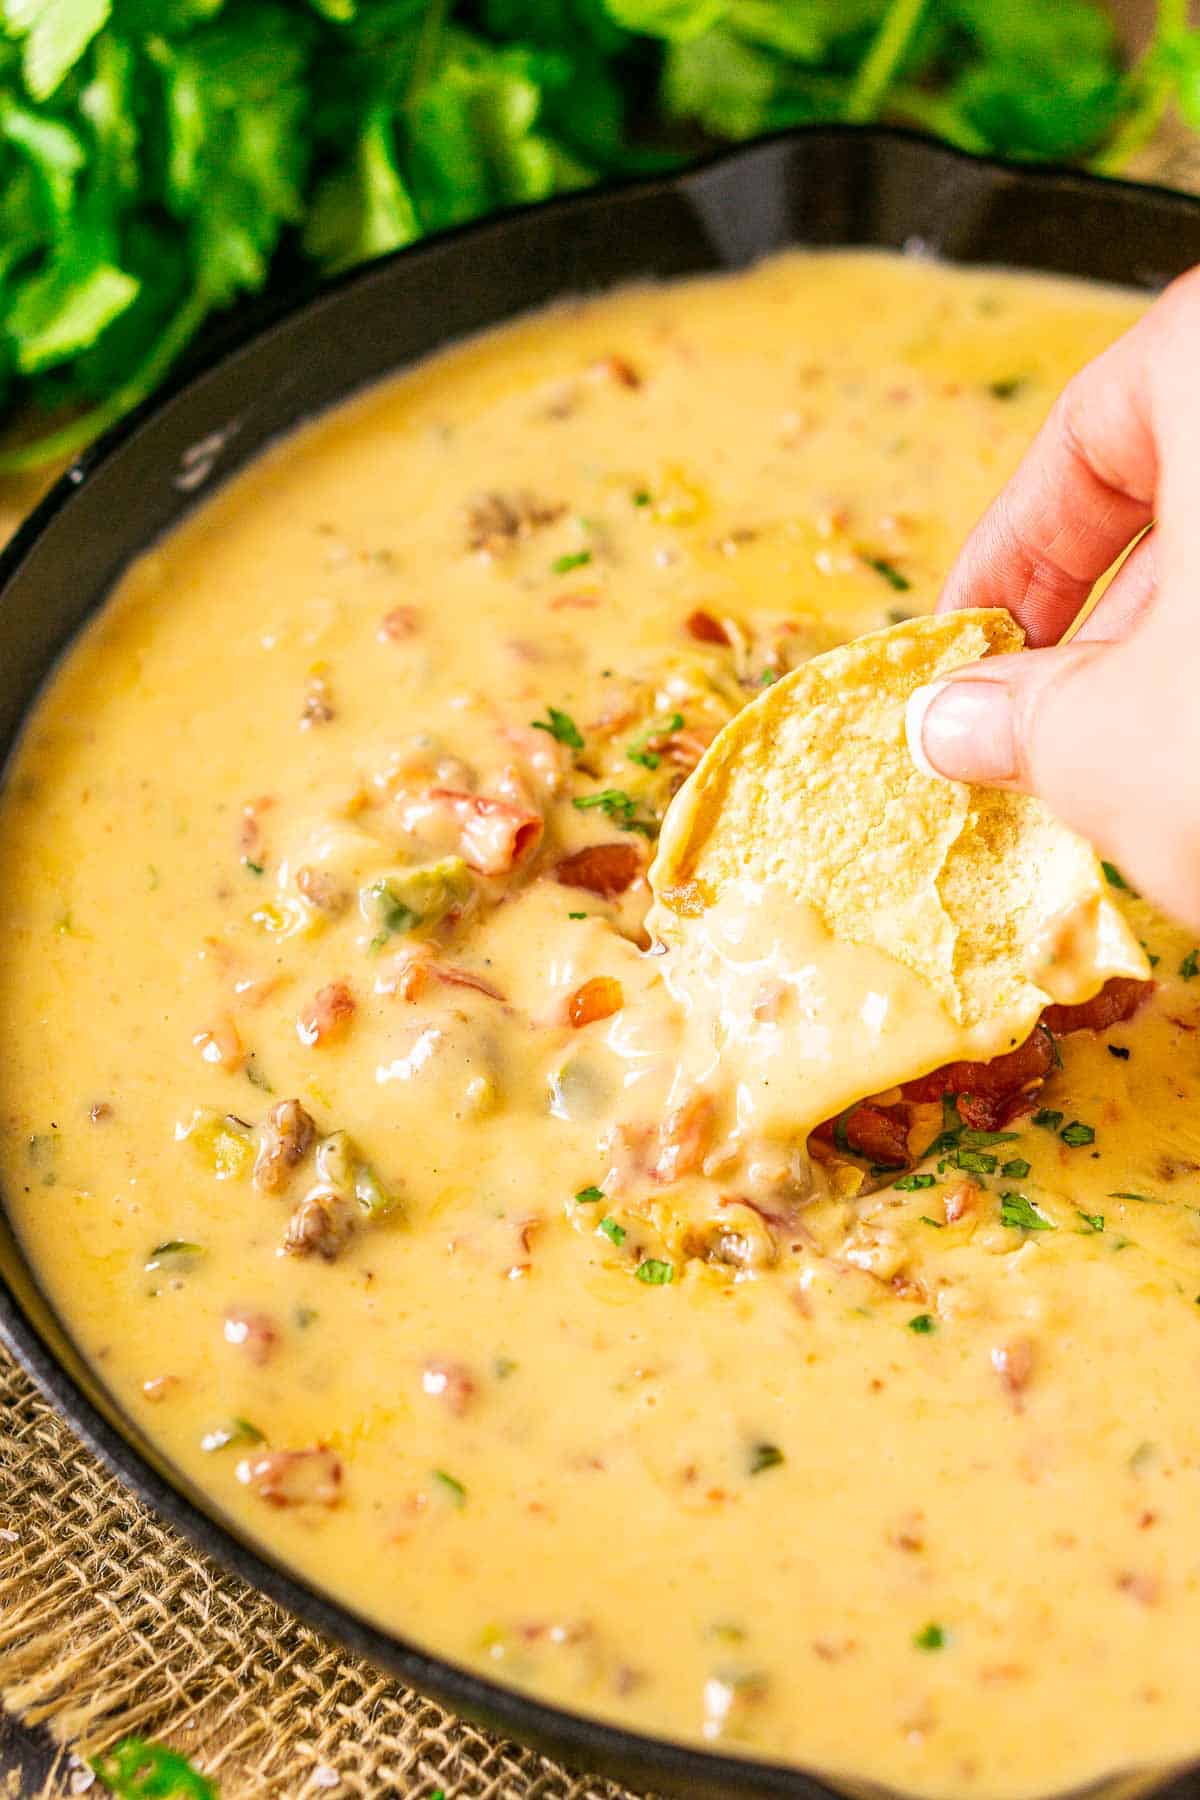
[{"x": 585, "y": 1743}]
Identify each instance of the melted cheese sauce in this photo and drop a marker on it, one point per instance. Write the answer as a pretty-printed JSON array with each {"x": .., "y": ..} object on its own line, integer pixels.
[{"x": 551, "y": 1364}]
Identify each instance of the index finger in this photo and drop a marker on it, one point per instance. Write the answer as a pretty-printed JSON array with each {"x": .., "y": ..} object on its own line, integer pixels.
[{"x": 1083, "y": 490}]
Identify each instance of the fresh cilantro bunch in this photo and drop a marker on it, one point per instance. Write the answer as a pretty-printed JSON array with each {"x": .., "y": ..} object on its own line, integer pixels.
[{"x": 160, "y": 159}]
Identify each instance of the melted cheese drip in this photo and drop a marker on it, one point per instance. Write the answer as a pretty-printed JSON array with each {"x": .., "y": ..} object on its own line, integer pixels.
[{"x": 727, "y": 1507}]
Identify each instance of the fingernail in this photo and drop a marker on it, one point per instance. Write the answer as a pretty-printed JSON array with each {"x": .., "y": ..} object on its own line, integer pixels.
[{"x": 962, "y": 730}]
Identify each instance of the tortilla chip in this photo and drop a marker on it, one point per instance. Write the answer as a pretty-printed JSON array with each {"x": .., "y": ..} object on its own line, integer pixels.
[{"x": 995, "y": 905}]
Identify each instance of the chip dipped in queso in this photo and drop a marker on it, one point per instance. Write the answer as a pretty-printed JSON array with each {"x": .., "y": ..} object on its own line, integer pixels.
[{"x": 344, "y": 1109}]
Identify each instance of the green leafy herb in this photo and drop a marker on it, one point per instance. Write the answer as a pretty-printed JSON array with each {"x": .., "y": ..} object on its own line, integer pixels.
[
  {"x": 975, "y": 1162},
  {"x": 1077, "y": 1133},
  {"x": 1190, "y": 966},
  {"x": 1007, "y": 388},
  {"x": 575, "y": 915},
  {"x": 923, "y": 1324},
  {"x": 616, "y": 805},
  {"x": 562, "y": 728},
  {"x": 1093, "y": 1221},
  {"x": 1143, "y": 1199},
  {"x": 1019, "y": 1211},
  {"x": 613, "y": 1232},
  {"x": 891, "y": 574},
  {"x": 574, "y": 559},
  {"x": 1049, "y": 1120},
  {"x": 641, "y": 497},
  {"x": 587, "y": 1196},
  {"x": 655, "y": 1273},
  {"x": 252, "y": 868},
  {"x": 238, "y": 1431},
  {"x": 909, "y": 1184},
  {"x": 176, "y": 1252},
  {"x": 938, "y": 1224},
  {"x": 980, "y": 1138},
  {"x": 453, "y": 1488},
  {"x": 1114, "y": 877},
  {"x": 638, "y": 752},
  {"x": 764, "y": 1456},
  {"x": 930, "y": 1637},
  {"x": 1017, "y": 1169},
  {"x": 138, "y": 1770}
]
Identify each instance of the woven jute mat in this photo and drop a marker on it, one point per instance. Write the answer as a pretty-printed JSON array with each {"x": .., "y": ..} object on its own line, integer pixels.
[{"x": 110, "y": 1624}]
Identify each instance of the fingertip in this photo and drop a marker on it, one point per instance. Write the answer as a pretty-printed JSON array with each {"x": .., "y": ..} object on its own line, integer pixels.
[{"x": 919, "y": 702}]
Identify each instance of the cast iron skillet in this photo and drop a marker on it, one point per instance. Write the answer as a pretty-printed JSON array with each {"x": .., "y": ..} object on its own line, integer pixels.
[{"x": 824, "y": 186}]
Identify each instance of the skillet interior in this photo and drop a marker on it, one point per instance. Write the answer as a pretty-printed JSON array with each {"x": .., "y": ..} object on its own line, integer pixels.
[{"x": 822, "y": 187}]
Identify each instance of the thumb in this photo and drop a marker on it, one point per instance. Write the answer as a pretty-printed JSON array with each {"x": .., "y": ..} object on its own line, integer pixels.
[{"x": 1089, "y": 731}]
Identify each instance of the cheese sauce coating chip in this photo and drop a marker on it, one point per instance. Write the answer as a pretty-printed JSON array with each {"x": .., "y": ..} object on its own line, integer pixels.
[{"x": 841, "y": 921}]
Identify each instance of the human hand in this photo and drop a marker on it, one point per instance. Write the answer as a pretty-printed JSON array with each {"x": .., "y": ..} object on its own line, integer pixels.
[{"x": 1106, "y": 728}]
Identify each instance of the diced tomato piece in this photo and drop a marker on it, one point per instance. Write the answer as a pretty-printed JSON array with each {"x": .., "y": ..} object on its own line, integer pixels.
[
  {"x": 868, "y": 1129},
  {"x": 293, "y": 1477},
  {"x": 1117, "y": 1001},
  {"x": 604, "y": 869},
  {"x": 685, "y": 1138},
  {"x": 996, "y": 1080},
  {"x": 598, "y": 998},
  {"x": 495, "y": 835},
  {"x": 327, "y": 1015},
  {"x": 705, "y": 629},
  {"x": 253, "y": 1333}
]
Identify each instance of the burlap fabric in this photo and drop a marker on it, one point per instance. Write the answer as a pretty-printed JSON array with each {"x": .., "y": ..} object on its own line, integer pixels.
[{"x": 111, "y": 1624}]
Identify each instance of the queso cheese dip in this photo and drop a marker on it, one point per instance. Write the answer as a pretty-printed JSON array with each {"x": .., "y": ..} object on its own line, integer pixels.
[{"x": 340, "y": 1111}]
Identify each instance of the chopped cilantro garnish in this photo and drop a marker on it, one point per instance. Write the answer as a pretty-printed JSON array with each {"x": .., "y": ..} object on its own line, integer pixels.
[
  {"x": 1190, "y": 966},
  {"x": 908, "y": 1184},
  {"x": 1047, "y": 1118},
  {"x": 657, "y": 728},
  {"x": 923, "y": 1324},
  {"x": 613, "y": 1232},
  {"x": 238, "y": 1431},
  {"x": 768, "y": 677},
  {"x": 1145, "y": 1199},
  {"x": 587, "y": 1196},
  {"x": 979, "y": 1138},
  {"x": 1114, "y": 877},
  {"x": 1018, "y": 1211},
  {"x": 562, "y": 728},
  {"x": 455, "y": 1489},
  {"x": 1077, "y": 1133},
  {"x": 1120, "y": 1051},
  {"x": 581, "y": 915},
  {"x": 1017, "y": 1169},
  {"x": 891, "y": 574},
  {"x": 1151, "y": 958},
  {"x": 616, "y": 805},
  {"x": 641, "y": 497},
  {"x": 136, "y": 1768},
  {"x": 251, "y": 867},
  {"x": 938, "y": 1224},
  {"x": 930, "y": 1637},
  {"x": 655, "y": 1273},
  {"x": 975, "y": 1162},
  {"x": 952, "y": 1128},
  {"x": 764, "y": 1456},
  {"x": 1093, "y": 1221},
  {"x": 573, "y": 559},
  {"x": 1006, "y": 387}
]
